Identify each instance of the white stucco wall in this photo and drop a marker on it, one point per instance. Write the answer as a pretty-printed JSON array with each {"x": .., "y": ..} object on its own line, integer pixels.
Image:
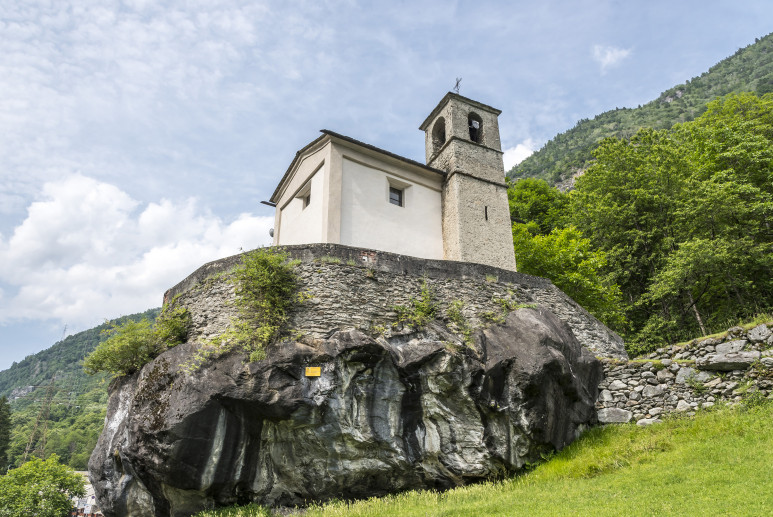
[
  {"x": 368, "y": 220},
  {"x": 299, "y": 225}
]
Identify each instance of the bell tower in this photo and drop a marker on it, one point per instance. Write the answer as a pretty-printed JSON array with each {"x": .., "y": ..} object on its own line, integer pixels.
[{"x": 462, "y": 139}]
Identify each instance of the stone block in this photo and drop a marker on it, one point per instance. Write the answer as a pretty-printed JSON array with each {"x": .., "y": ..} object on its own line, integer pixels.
[
  {"x": 653, "y": 391},
  {"x": 648, "y": 421},
  {"x": 687, "y": 372},
  {"x": 606, "y": 396},
  {"x": 713, "y": 382},
  {"x": 731, "y": 346},
  {"x": 759, "y": 333},
  {"x": 682, "y": 406},
  {"x": 617, "y": 385},
  {"x": 614, "y": 416},
  {"x": 728, "y": 362}
]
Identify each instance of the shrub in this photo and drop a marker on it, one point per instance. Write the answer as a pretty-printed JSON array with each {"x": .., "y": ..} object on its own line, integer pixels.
[
  {"x": 421, "y": 311},
  {"x": 42, "y": 488},
  {"x": 265, "y": 288},
  {"x": 266, "y": 292},
  {"x": 133, "y": 344},
  {"x": 126, "y": 350},
  {"x": 172, "y": 324},
  {"x": 454, "y": 314}
]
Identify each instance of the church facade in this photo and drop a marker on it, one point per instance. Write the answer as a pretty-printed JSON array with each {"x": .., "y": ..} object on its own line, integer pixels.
[{"x": 453, "y": 207}]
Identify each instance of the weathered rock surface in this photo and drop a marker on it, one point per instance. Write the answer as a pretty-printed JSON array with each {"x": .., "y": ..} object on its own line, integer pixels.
[
  {"x": 729, "y": 361},
  {"x": 419, "y": 410}
]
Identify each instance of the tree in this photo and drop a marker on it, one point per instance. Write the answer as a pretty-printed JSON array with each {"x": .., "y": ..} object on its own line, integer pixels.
[
  {"x": 42, "y": 488},
  {"x": 684, "y": 217},
  {"x": 567, "y": 259},
  {"x": 538, "y": 205},
  {"x": 5, "y": 432}
]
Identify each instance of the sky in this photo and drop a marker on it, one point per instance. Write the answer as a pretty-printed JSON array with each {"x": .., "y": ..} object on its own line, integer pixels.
[{"x": 138, "y": 137}]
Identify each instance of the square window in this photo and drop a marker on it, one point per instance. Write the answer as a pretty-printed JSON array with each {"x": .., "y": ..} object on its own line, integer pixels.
[{"x": 395, "y": 196}]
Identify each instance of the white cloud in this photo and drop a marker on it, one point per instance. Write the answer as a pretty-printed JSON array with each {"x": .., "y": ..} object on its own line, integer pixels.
[
  {"x": 88, "y": 251},
  {"x": 515, "y": 155},
  {"x": 609, "y": 56}
]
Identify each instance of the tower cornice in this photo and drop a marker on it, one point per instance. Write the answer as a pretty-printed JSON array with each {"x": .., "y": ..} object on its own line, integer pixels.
[{"x": 456, "y": 96}]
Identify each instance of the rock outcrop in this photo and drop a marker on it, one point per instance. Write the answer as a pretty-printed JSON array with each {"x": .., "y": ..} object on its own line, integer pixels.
[{"x": 419, "y": 409}]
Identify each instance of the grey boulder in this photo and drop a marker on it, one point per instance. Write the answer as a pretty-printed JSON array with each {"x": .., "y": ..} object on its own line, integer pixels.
[{"x": 416, "y": 411}]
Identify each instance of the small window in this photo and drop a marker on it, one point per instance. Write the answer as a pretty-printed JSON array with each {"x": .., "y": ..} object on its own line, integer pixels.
[
  {"x": 306, "y": 200},
  {"x": 396, "y": 196}
]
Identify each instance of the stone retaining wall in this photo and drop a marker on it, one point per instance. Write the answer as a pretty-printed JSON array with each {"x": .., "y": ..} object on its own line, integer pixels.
[
  {"x": 688, "y": 378},
  {"x": 350, "y": 288}
]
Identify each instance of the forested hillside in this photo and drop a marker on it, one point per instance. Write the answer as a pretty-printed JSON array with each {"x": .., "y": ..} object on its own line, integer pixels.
[
  {"x": 77, "y": 401},
  {"x": 668, "y": 235},
  {"x": 750, "y": 69}
]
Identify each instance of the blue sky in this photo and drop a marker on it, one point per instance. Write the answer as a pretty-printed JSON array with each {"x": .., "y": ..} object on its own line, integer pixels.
[{"x": 138, "y": 137}]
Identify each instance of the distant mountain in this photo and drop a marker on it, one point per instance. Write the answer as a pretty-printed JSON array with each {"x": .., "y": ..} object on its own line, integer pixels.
[
  {"x": 750, "y": 69},
  {"x": 77, "y": 401}
]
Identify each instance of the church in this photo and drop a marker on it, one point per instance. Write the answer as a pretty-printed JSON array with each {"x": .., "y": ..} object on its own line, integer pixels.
[{"x": 343, "y": 191}]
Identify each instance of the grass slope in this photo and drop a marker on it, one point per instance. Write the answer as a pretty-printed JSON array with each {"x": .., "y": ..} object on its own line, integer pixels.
[
  {"x": 717, "y": 463},
  {"x": 750, "y": 69}
]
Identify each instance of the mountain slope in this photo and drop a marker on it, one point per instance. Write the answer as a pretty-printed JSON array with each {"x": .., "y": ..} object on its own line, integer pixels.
[
  {"x": 77, "y": 401},
  {"x": 749, "y": 69}
]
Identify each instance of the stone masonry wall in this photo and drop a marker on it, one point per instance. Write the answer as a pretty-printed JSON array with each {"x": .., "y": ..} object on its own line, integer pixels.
[
  {"x": 356, "y": 288},
  {"x": 688, "y": 378},
  {"x": 476, "y": 222}
]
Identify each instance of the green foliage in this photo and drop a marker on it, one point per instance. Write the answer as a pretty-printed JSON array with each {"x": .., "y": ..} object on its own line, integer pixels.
[
  {"x": 77, "y": 409},
  {"x": 421, "y": 311},
  {"x": 252, "y": 510},
  {"x": 40, "y": 488},
  {"x": 697, "y": 386},
  {"x": 126, "y": 350},
  {"x": 454, "y": 314},
  {"x": 537, "y": 205},
  {"x": 5, "y": 432},
  {"x": 748, "y": 70},
  {"x": 710, "y": 464},
  {"x": 266, "y": 292},
  {"x": 327, "y": 259},
  {"x": 684, "y": 218},
  {"x": 132, "y": 344},
  {"x": 172, "y": 325},
  {"x": 570, "y": 262},
  {"x": 507, "y": 305}
]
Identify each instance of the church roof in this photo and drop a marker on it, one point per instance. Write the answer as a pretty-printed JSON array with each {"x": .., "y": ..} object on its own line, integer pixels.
[{"x": 327, "y": 134}]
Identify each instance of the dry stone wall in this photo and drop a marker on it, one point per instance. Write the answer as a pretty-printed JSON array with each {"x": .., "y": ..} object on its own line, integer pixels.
[
  {"x": 688, "y": 378},
  {"x": 353, "y": 288}
]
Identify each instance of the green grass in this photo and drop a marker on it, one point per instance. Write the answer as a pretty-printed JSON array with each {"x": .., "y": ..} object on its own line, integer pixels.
[{"x": 717, "y": 463}]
